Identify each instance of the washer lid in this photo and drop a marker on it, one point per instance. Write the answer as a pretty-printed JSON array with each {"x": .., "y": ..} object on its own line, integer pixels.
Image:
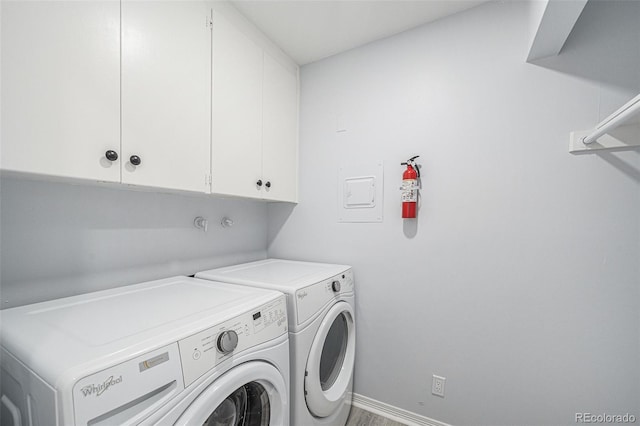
[
  {"x": 283, "y": 275},
  {"x": 98, "y": 329}
]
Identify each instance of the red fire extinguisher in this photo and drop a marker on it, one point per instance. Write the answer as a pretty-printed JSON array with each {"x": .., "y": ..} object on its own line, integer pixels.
[{"x": 410, "y": 188}]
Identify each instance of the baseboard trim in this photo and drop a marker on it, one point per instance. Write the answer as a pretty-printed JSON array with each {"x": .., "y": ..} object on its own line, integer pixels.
[{"x": 393, "y": 413}]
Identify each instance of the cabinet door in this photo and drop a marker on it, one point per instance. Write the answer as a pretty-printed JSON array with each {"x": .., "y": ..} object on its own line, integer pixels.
[
  {"x": 61, "y": 88},
  {"x": 280, "y": 131},
  {"x": 166, "y": 94},
  {"x": 237, "y": 112}
]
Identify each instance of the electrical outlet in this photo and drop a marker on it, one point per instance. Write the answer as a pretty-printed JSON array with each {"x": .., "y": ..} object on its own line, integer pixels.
[{"x": 437, "y": 386}]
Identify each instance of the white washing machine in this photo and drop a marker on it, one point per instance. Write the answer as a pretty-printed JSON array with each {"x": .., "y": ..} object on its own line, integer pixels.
[
  {"x": 320, "y": 301},
  {"x": 177, "y": 351}
]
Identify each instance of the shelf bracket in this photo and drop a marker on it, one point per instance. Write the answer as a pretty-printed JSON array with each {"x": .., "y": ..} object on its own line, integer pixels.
[
  {"x": 621, "y": 130},
  {"x": 622, "y": 138}
]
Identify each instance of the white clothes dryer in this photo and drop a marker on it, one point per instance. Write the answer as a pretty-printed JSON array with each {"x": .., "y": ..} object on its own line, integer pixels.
[
  {"x": 320, "y": 301},
  {"x": 177, "y": 351}
]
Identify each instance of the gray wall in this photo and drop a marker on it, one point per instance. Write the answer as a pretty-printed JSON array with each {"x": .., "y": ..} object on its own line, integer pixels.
[
  {"x": 59, "y": 239},
  {"x": 521, "y": 281}
]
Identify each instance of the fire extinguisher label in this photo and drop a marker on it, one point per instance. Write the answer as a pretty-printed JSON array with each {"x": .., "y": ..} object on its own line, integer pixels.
[{"x": 409, "y": 191}]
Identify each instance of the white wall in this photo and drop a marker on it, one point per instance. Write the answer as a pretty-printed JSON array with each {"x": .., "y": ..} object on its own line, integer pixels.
[
  {"x": 521, "y": 282},
  {"x": 59, "y": 239}
]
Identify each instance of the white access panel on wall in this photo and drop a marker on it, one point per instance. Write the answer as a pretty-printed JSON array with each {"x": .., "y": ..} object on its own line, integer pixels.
[{"x": 360, "y": 192}]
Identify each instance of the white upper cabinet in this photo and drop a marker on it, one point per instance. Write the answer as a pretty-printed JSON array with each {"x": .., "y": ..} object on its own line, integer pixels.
[
  {"x": 61, "y": 88},
  {"x": 166, "y": 94},
  {"x": 255, "y": 117},
  {"x": 237, "y": 111},
  {"x": 178, "y": 95},
  {"x": 280, "y": 131}
]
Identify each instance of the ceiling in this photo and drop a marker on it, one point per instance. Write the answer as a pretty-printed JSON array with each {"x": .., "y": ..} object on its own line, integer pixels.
[{"x": 310, "y": 30}]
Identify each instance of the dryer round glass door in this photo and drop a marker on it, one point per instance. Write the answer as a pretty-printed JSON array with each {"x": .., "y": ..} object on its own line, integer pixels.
[
  {"x": 251, "y": 394},
  {"x": 330, "y": 363}
]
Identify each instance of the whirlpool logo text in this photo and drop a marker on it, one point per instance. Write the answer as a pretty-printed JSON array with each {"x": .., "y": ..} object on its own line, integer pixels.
[{"x": 98, "y": 389}]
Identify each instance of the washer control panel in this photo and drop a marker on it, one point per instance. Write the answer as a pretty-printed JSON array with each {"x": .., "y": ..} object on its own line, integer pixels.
[
  {"x": 204, "y": 350},
  {"x": 310, "y": 299}
]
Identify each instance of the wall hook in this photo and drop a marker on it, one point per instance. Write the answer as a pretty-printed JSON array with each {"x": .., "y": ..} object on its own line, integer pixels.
[{"x": 200, "y": 223}]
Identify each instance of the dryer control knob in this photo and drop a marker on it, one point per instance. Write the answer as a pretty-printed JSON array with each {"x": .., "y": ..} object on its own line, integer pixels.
[
  {"x": 335, "y": 286},
  {"x": 227, "y": 341}
]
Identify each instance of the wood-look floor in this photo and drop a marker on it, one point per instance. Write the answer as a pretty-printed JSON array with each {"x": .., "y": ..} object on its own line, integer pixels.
[{"x": 360, "y": 417}]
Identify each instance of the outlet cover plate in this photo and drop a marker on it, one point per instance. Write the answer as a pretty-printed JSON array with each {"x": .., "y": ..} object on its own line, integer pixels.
[{"x": 437, "y": 385}]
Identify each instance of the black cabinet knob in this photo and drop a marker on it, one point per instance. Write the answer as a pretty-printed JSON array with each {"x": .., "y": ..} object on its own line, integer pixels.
[
  {"x": 268, "y": 184},
  {"x": 135, "y": 160},
  {"x": 259, "y": 183},
  {"x": 111, "y": 155}
]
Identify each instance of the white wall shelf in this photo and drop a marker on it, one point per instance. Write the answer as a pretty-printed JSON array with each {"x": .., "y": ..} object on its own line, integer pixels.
[
  {"x": 618, "y": 131},
  {"x": 554, "y": 26}
]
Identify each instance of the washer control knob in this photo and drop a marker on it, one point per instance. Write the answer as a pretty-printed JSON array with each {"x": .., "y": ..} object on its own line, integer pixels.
[
  {"x": 335, "y": 286},
  {"x": 227, "y": 341}
]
